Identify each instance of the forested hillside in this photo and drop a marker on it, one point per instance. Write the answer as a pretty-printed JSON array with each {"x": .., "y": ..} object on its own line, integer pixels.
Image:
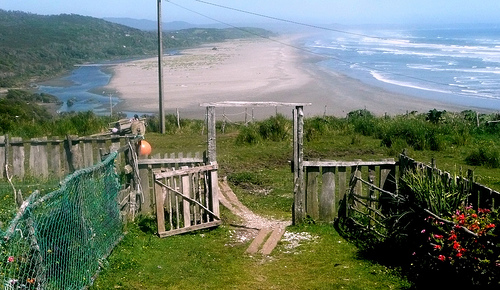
[{"x": 34, "y": 47}]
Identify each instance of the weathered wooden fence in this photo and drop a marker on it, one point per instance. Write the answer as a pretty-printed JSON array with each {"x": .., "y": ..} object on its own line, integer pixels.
[
  {"x": 55, "y": 157},
  {"x": 361, "y": 184},
  {"x": 327, "y": 182}
]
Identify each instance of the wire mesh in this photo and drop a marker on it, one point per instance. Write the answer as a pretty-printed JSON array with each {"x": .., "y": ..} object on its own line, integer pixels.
[{"x": 60, "y": 240}]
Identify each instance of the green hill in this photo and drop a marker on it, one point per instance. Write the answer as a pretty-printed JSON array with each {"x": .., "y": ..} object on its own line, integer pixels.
[{"x": 35, "y": 47}]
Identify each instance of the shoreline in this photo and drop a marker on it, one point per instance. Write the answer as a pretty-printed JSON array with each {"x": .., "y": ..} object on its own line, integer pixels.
[{"x": 254, "y": 70}]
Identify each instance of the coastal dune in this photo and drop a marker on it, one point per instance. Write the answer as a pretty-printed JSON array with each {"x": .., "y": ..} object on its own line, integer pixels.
[{"x": 252, "y": 70}]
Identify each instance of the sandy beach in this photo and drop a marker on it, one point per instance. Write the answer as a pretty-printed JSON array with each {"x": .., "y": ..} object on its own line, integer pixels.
[{"x": 252, "y": 70}]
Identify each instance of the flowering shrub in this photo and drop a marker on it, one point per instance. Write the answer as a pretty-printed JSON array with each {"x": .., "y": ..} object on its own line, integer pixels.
[{"x": 467, "y": 245}]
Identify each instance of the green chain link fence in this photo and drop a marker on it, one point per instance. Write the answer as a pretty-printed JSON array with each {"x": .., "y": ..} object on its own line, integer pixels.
[{"x": 60, "y": 240}]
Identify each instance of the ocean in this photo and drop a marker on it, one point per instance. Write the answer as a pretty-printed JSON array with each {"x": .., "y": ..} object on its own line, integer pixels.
[{"x": 457, "y": 65}]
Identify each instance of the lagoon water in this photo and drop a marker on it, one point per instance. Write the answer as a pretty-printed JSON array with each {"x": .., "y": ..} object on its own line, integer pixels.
[
  {"x": 459, "y": 65},
  {"x": 82, "y": 88}
]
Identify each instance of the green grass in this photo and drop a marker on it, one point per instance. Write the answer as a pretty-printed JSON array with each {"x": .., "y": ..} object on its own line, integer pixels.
[
  {"x": 261, "y": 177},
  {"x": 212, "y": 259}
]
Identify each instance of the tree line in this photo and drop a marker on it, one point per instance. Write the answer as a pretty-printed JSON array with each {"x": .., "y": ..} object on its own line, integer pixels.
[{"x": 36, "y": 47}]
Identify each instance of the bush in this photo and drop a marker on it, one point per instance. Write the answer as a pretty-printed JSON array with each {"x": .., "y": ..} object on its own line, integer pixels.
[
  {"x": 248, "y": 135},
  {"x": 364, "y": 122},
  {"x": 276, "y": 128},
  {"x": 484, "y": 156}
]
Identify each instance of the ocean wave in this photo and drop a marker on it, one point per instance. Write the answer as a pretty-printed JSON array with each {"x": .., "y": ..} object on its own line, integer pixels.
[{"x": 382, "y": 78}]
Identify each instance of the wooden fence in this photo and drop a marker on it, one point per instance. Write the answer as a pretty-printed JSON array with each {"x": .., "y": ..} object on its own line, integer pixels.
[
  {"x": 327, "y": 183},
  {"x": 55, "y": 157}
]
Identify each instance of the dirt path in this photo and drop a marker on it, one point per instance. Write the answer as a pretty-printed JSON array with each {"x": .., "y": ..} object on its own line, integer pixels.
[{"x": 266, "y": 233}]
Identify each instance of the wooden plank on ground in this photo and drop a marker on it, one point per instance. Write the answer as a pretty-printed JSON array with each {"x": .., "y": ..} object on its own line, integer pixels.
[
  {"x": 257, "y": 242},
  {"x": 190, "y": 229},
  {"x": 273, "y": 240}
]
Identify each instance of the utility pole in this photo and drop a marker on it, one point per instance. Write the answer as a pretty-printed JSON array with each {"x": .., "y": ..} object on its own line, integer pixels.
[{"x": 160, "y": 71}]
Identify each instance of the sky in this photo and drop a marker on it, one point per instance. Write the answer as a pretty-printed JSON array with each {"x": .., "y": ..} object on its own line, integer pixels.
[{"x": 311, "y": 11}]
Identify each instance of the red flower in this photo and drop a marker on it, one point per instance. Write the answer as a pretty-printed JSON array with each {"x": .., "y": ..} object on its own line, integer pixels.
[
  {"x": 441, "y": 257},
  {"x": 483, "y": 210},
  {"x": 456, "y": 245},
  {"x": 459, "y": 254},
  {"x": 10, "y": 259},
  {"x": 438, "y": 236},
  {"x": 437, "y": 247},
  {"x": 490, "y": 226}
]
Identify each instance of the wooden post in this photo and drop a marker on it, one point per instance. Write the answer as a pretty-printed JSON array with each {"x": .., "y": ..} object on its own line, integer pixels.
[
  {"x": 88, "y": 153},
  {"x": 4, "y": 157},
  {"x": 212, "y": 148},
  {"x": 145, "y": 174},
  {"x": 298, "y": 158},
  {"x": 342, "y": 194}
]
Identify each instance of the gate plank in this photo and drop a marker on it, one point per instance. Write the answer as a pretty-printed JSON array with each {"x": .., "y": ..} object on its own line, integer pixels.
[
  {"x": 312, "y": 206},
  {"x": 160, "y": 213},
  {"x": 17, "y": 156},
  {"x": 186, "y": 207},
  {"x": 328, "y": 205}
]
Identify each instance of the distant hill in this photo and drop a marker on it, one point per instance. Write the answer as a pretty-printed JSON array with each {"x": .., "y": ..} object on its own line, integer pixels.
[
  {"x": 35, "y": 47},
  {"x": 150, "y": 25}
]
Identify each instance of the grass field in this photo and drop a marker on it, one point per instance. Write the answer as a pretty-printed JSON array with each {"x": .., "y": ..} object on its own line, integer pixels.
[{"x": 311, "y": 256}]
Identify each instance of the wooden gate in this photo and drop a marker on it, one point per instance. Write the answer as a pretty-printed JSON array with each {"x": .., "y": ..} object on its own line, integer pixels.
[{"x": 187, "y": 199}]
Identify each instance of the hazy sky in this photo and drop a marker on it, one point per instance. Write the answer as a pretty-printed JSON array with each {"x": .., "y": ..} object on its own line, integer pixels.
[{"x": 311, "y": 11}]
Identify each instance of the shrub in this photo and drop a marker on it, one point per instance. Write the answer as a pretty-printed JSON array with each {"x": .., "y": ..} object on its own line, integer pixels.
[
  {"x": 484, "y": 156},
  {"x": 364, "y": 122},
  {"x": 276, "y": 128},
  {"x": 248, "y": 135}
]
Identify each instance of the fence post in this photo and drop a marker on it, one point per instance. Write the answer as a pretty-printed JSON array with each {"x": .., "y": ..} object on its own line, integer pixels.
[
  {"x": 212, "y": 147},
  {"x": 298, "y": 158},
  {"x": 4, "y": 156},
  {"x": 342, "y": 172}
]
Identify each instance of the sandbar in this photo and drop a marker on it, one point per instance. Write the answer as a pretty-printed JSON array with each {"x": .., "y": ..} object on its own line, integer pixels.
[{"x": 253, "y": 70}]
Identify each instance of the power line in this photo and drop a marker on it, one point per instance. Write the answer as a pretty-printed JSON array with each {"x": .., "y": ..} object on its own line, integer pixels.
[
  {"x": 288, "y": 21},
  {"x": 302, "y": 48}
]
